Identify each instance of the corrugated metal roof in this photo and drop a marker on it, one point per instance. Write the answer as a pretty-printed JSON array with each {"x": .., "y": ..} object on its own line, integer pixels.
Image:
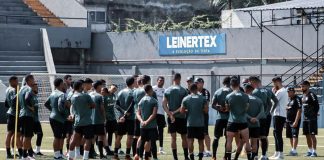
[{"x": 294, "y": 4}]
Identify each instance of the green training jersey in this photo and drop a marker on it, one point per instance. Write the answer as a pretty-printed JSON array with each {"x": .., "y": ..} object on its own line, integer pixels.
[
  {"x": 81, "y": 103},
  {"x": 255, "y": 110},
  {"x": 194, "y": 104},
  {"x": 175, "y": 95},
  {"x": 138, "y": 94},
  {"x": 219, "y": 99},
  {"x": 98, "y": 116},
  {"x": 262, "y": 94},
  {"x": 109, "y": 102},
  {"x": 146, "y": 106},
  {"x": 237, "y": 102},
  {"x": 56, "y": 101},
  {"x": 124, "y": 102},
  {"x": 36, "y": 107},
  {"x": 24, "y": 101},
  {"x": 11, "y": 96}
]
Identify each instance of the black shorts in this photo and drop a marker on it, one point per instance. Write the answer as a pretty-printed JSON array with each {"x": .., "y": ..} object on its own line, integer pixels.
[
  {"x": 128, "y": 127},
  {"x": 111, "y": 126},
  {"x": 206, "y": 122},
  {"x": 38, "y": 128},
  {"x": 160, "y": 120},
  {"x": 265, "y": 126},
  {"x": 254, "y": 132},
  {"x": 292, "y": 132},
  {"x": 148, "y": 134},
  {"x": 27, "y": 126},
  {"x": 11, "y": 122},
  {"x": 310, "y": 127},
  {"x": 235, "y": 127},
  {"x": 196, "y": 132},
  {"x": 68, "y": 125},
  {"x": 86, "y": 131},
  {"x": 99, "y": 129},
  {"x": 220, "y": 128},
  {"x": 137, "y": 131},
  {"x": 179, "y": 126},
  {"x": 58, "y": 129}
]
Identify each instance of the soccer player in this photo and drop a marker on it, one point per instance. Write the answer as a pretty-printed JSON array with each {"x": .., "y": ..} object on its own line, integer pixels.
[
  {"x": 311, "y": 108},
  {"x": 68, "y": 124},
  {"x": 294, "y": 111},
  {"x": 206, "y": 94},
  {"x": 82, "y": 106},
  {"x": 160, "y": 117},
  {"x": 68, "y": 82},
  {"x": 172, "y": 99},
  {"x": 10, "y": 103},
  {"x": 26, "y": 116},
  {"x": 56, "y": 103},
  {"x": 126, "y": 123},
  {"x": 195, "y": 106},
  {"x": 111, "y": 123},
  {"x": 265, "y": 120},
  {"x": 218, "y": 103},
  {"x": 237, "y": 103},
  {"x": 146, "y": 114},
  {"x": 37, "y": 125},
  {"x": 99, "y": 117},
  {"x": 189, "y": 81},
  {"x": 254, "y": 113},
  {"x": 279, "y": 118}
]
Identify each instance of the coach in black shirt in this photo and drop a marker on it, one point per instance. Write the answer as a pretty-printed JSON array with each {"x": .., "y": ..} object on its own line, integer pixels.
[{"x": 311, "y": 108}]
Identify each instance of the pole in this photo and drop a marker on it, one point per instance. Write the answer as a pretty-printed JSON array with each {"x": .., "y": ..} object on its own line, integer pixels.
[
  {"x": 261, "y": 46},
  {"x": 16, "y": 123},
  {"x": 302, "y": 69}
]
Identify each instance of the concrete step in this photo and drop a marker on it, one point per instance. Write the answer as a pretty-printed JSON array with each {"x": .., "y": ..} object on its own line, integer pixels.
[
  {"x": 68, "y": 69},
  {"x": 23, "y": 68},
  {"x": 8, "y": 8},
  {"x": 22, "y": 63},
  {"x": 22, "y": 58},
  {"x": 21, "y": 53},
  {"x": 12, "y": 13},
  {"x": 9, "y": 4},
  {"x": 9, "y": 73}
]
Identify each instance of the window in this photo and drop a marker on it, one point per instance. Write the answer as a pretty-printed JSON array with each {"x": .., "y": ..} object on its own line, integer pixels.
[{"x": 97, "y": 16}]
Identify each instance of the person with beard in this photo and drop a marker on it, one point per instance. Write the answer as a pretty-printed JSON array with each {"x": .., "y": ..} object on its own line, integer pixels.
[{"x": 310, "y": 128}]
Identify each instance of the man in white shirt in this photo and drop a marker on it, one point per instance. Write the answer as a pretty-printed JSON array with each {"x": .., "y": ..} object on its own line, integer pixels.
[
  {"x": 159, "y": 90},
  {"x": 279, "y": 116}
]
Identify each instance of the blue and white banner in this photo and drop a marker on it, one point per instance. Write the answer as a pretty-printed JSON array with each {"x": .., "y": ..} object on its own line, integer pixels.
[{"x": 192, "y": 45}]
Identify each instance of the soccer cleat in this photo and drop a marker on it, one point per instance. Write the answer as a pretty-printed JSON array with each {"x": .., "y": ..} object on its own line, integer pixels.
[
  {"x": 207, "y": 154},
  {"x": 274, "y": 155},
  {"x": 102, "y": 157},
  {"x": 161, "y": 151},
  {"x": 263, "y": 157},
  {"x": 121, "y": 152},
  {"x": 291, "y": 153},
  {"x": 308, "y": 154},
  {"x": 279, "y": 157},
  {"x": 10, "y": 156},
  {"x": 39, "y": 154},
  {"x": 314, "y": 154}
]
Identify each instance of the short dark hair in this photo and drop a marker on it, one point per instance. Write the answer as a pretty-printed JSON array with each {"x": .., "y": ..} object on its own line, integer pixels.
[
  {"x": 58, "y": 82},
  {"x": 160, "y": 77},
  {"x": 97, "y": 84},
  {"x": 248, "y": 86},
  {"x": 29, "y": 77},
  {"x": 276, "y": 79},
  {"x": 306, "y": 83},
  {"x": 13, "y": 78},
  {"x": 145, "y": 79},
  {"x": 67, "y": 77},
  {"x": 193, "y": 87},
  {"x": 130, "y": 81},
  {"x": 81, "y": 80},
  {"x": 235, "y": 82},
  {"x": 88, "y": 80},
  {"x": 147, "y": 88},
  {"x": 77, "y": 85},
  {"x": 105, "y": 89},
  {"x": 227, "y": 80},
  {"x": 103, "y": 81},
  {"x": 114, "y": 85},
  {"x": 254, "y": 79},
  {"x": 177, "y": 76}
]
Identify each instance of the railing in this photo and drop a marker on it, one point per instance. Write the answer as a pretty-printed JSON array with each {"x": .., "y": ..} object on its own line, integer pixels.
[{"x": 48, "y": 56}]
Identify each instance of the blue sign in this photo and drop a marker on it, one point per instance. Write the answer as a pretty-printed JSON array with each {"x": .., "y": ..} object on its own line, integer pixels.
[{"x": 192, "y": 45}]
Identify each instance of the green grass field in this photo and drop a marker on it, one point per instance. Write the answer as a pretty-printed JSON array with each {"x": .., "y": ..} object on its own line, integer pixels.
[{"x": 48, "y": 138}]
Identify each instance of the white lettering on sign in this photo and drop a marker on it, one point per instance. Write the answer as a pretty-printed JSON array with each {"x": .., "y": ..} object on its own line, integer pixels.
[{"x": 192, "y": 42}]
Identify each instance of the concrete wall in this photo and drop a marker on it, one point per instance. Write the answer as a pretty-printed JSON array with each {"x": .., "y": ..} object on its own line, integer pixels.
[{"x": 67, "y": 9}]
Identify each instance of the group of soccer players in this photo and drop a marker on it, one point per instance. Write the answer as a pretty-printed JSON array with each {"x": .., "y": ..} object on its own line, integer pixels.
[{"x": 87, "y": 113}]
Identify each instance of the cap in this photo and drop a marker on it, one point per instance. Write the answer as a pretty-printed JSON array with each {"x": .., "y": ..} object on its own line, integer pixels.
[
  {"x": 291, "y": 89},
  {"x": 189, "y": 79},
  {"x": 199, "y": 80}
]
